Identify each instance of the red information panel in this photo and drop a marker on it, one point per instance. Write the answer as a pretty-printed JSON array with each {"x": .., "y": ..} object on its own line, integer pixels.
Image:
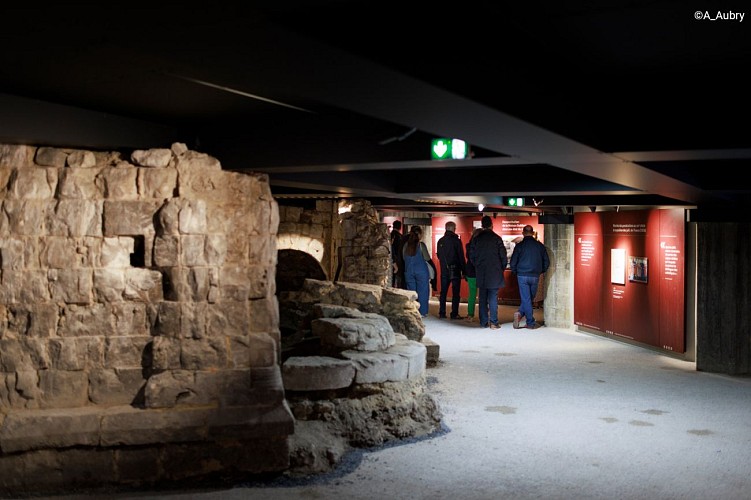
[
  {"x": 588, "y": 270},
  {"x": 628, "y": 275}
]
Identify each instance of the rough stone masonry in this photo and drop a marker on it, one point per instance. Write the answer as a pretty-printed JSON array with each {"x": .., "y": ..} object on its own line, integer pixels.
[{"x": 138, "y": 319}]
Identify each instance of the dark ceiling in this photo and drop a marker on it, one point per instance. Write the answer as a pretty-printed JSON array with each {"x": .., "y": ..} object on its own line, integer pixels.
[{"x": 569, "y": 104}]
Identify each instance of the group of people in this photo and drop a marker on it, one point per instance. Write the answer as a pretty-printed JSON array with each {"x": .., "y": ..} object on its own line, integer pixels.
[{"x": 480, "y": 262}]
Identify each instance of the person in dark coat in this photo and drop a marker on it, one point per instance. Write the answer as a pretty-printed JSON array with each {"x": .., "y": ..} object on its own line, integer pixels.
[
  {"x": 488, "y": 253},
  {"x": 397, "y": 242},
  {"x": 529, "y": 260},
  {"x": 450, "y": 253}
]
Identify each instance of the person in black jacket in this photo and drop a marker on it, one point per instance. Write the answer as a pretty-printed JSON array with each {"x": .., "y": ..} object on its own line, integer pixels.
[
  {"x": 397, "y": 242},
  {"x": 450, "y": 253},
  {"x": 488, "y": 254},
  {"x": 529, "y": 260}
]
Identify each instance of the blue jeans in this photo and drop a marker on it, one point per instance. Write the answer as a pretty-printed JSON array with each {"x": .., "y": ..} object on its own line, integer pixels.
[
  {"x": 488, "y": 305},
  {"x": 527, "y": 291}
]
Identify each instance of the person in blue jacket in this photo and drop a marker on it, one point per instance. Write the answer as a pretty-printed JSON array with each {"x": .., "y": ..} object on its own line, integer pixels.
[
  {"x": 416, "y": 272},
  {"x": 488, "y": 254},
  {"x": 529, "y": 260}
]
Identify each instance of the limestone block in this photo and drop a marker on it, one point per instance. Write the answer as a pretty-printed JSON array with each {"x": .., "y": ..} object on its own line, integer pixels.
[
  {"x": 166, "y": 353},
  {"x": 125, "y": 352},
  {"x": 229, "y": 387},
  {"x": 378, "y": 367},
  {"x": 115, "y": 386},
  {"x": 81, "y": 159},
  {"x": 28, "y": 388},
  {"x": 5, "y": 175},
  {"x": 259, "y": 280},
  {"x": 74, "y": 218},
  {"x": 415, "y": 352},
  {"x": 63, "y": 389},
  {"x": 176, "y": 284},
  {"x": 115, "y": 251},
  {"x": 202, "y": 182},
  {"x": 179, "y": 148},
  {"x": 72, "y": 286},
  {"x": 234, "y": 283},
  {"x": 192, "y": 217},
  {"x": 129, "y": 318},
  {"x": 51, "y": 157},
  {"x": 85, "y": 321},
  {"x": 372, "y": 333},
  {"x": 264, "y": 314},
  {"x": 168, "y": 319},
  {"x": 167, "y": 250},
  {"x": 143, "y": 285},
  {"x": 170, "y": 389},
  {"x": 53, "y": 428},
  {"x": 433, "y": 351},
  {"x": 290, "y": 214},
  {"x": 16, "y": 156},
  {"x": 192, "y": 250},
  {"x": 26, "y": 287},
  {"x": 33, "y": 183},
  {"x": 43, "y": 317},
  {"x": 76, "y": 353},
  {"x": 198, "y": 281},
  {"x": 59, "y": 252},
  {"x": 407, "y": 322},
  {"x": 168, "y": 221},
  {"x": 23, "y": 218},
  {"x": 261, "y": 218},
  {"x": 157, "y": 183},
  {"x": 193, "y": 322},
  {"x": 12, "y": 253},
  {"x": 239, "y": 351},
  {"x": 361, "y": 296},
  {"x": 156, "y": 157},
  {"x": 125, "y": 425},
  {"x": 228, "y": 318},
  {"x": 109, "y": 285},
  {"x": 12, "y": 355},
  {"x": 118, "y": 183},
  {"x": 263, "y": 349},
  {"x": 216, "y": 249},
  {"x": 253, "y": 422},
  {"x": 79, "y": 183},
  {"x": 204, "y": 354},
  {"x": 317, "y": 373},
  {"x": 122, "y": 218}
]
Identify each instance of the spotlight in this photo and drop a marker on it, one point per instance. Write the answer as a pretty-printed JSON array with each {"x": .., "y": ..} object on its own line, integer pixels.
[{"x": 480, "y": 207}]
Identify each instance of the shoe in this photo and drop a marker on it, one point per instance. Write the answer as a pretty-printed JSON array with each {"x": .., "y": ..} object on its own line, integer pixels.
[
  {"x": 470, "y": 318},
  {"x": 484, "y": 326},
  {"x": 493, "y": 326},
  {"x": 517, "y": 319},
  {"x": 535, "y": 326},
  {"x": 457, "y": 317},
  {"x": 442, "y": 316}
]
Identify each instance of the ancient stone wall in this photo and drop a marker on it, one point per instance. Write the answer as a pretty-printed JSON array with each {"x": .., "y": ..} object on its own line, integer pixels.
[
  {"x": 353, "y": 243},
  {"x": 138, "y": 319}
]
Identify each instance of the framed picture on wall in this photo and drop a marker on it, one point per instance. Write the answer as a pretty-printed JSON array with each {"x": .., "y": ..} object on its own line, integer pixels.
[
  {"x": 618, "y": 266},
  {"x": 638, "y": 270}
]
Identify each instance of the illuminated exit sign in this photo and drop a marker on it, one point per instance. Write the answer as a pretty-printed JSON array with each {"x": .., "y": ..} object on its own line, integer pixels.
[
  {"x": 448, "y": 149},
  {"x": 514, "y": 201}
]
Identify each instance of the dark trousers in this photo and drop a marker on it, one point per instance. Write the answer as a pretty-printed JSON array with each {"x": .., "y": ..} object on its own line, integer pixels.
[{"x": 456, "y": 286}]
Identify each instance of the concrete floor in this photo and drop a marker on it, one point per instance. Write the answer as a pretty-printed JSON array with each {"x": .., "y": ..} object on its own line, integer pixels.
[{"x": 549, "y": 413}]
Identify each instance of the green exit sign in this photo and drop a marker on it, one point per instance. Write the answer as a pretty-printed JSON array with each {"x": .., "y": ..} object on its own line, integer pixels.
[
  {"x": 514, "y": 201},
  {"x": 448, "y": 149}
]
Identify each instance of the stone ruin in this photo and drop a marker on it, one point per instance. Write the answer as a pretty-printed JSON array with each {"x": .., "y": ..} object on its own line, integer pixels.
[
  {"x": 354, "y": 361},
  {"x": 140, "y": 336},
  {"x": 139, "y": 328}
]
